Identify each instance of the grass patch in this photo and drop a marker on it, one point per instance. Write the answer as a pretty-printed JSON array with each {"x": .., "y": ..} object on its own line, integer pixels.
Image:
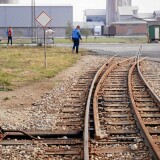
[
  {"x": 4, "y": 88},
  {"x": 100, "y": 39},
  {"x": 23, "y": 65},
  {"x": 106, "y": 40}
]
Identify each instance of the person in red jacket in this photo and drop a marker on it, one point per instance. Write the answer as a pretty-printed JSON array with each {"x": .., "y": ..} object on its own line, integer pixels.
[{"x": 10, "y": 34}]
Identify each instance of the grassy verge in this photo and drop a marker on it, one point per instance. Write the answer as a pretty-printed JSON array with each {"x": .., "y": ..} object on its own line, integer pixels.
[
  {"x": 23, "y": 65},
  {"x": 102, "y": 39},
  {"x": 106, "y": 40}
]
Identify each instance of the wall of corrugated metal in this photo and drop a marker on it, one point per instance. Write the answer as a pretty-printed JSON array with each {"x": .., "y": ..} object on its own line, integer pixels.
[{"x": 20, "y": 16}]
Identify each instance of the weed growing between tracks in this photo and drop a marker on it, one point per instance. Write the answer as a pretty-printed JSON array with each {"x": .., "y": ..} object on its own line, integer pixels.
[{"x": 23, "y": 65}]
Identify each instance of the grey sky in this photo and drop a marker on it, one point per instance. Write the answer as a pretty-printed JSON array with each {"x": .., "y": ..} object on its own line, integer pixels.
[{"x": 146, "y": 6}]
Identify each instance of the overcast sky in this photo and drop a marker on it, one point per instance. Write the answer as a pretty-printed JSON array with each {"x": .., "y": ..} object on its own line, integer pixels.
[{"x": 145, "y": 6}]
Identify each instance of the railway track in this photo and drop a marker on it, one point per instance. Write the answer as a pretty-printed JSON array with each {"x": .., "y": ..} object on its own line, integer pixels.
[
  {"x": 65, "y": 142},
  {"x": 118, "y": 134},
  {"x": 121, "y": 119},
  {"x": 146, "y": 106}
]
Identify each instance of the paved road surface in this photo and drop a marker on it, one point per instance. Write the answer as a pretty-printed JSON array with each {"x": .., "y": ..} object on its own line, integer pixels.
[{"x": 151, "y": 50}]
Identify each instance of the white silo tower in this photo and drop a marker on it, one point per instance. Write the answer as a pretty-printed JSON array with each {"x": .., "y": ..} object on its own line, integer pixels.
[{"x": 110, "y": 11}]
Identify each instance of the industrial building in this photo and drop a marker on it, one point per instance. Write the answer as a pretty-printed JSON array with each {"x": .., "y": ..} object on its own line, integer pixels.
[
  {"x": 119, "y": 13},
  {"x": 110, "y": 13},
  {"x": 112, "y": 9},
  {"x": 8, "y": 1},
  {"x": 21, "y": 19},
  {"x": 124, "y": 17},
  {"x": 95, "y": 15}
]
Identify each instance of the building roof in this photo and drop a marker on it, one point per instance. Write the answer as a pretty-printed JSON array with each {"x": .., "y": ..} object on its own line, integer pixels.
[
  {"x": 133, "y": 20},
  {"x": 98, "y": 12},
  {"x": 127, "y": 10},
  {"x": 89, "y": 25},
  {"x": 130, "y": 22},
  {"x": 28, "y": 5},
  {"x": 146, "y": 15},
  {"x": 157, "y": 12},
  {"x": 150, "y": 20}
]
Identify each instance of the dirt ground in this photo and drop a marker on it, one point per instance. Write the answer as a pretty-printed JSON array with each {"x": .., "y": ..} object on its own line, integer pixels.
[{"x": 26, "y": 95}]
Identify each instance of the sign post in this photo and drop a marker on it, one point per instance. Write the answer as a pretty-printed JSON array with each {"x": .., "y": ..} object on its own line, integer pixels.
[{"x": 43, "y": 19}]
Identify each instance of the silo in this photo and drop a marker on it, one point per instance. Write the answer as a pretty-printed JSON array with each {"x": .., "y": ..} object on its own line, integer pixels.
[
  {"x": 111, "y": 11},
  {"x": 8, "y": 1}
]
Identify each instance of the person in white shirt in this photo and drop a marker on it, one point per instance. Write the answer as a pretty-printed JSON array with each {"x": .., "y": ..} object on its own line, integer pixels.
[{"x": 49, "y": 36}]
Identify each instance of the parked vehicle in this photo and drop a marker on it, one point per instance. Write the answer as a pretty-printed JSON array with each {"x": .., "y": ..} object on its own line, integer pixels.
[
  {"x": 154, "y": 33},
  {"x": 97, "y": 30},
  {"x": 109, "y": 30}
]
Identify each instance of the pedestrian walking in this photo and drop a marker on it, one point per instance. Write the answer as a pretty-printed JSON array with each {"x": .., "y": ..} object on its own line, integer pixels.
[
  {"x": 10, "y": 34},
  {"x": 76, "y": 36}
]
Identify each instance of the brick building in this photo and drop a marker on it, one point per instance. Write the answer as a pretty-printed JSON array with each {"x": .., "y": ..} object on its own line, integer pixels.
[{"x": 136, "y": 27}]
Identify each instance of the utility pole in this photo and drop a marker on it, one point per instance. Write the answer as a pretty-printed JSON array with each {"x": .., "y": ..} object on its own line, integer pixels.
[{"x": 33, "y": 23}]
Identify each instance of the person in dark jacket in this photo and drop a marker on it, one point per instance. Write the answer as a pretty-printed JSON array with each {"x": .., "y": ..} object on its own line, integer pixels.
[
  {"x": 76, "y": 36},
  {"x": 9, "y": 34}
]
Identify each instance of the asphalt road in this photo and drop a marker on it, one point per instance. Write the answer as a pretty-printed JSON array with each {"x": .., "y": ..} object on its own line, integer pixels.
[{"x": 150, "y": 50}]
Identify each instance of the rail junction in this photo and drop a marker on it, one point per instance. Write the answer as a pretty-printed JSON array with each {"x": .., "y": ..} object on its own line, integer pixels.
[{"x": 110, "y": 114}]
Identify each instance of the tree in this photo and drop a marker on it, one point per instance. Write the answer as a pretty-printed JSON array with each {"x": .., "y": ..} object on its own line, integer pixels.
[
  {"x": 69, "y": 30},
  {"x": 86, "y": 32}
]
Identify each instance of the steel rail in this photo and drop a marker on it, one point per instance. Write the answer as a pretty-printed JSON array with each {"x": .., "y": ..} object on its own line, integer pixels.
[
  {"x": 144, "y": 131},
  {"x": 95, "y": 99},
  {"x": 2, "y": 131},
  {"x": 86, "y": 123},
  {"x": 153, "y": 94}
]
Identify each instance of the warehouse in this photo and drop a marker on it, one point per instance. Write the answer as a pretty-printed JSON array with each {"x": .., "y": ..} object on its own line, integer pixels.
[
  {"x": 125, "y": 17},
  {"x": 134, "y": 27},
  {"x": 21, "y": 19}
]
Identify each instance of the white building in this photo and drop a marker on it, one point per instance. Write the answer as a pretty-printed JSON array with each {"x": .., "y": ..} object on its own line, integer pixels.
[
  {"x": 20, "y": 18},
  {"x": 127, "y": 12},
  {"x": 95, "y": 15}
]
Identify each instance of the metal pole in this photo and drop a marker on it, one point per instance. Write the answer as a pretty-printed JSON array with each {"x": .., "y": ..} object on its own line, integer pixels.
[
  {"x": 33, "y": 21},
  {"x": 37, "y": 34},
  {"x": 45, "y": 59}
]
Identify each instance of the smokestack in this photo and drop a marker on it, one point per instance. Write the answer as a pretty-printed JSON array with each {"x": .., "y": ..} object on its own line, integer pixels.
[{"x": 8, "y": 1}]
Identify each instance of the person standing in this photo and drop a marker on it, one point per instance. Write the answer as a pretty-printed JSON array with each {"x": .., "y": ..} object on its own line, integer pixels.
[
  {"x": 76, "y": 36},
  {"x": 50, "y": 36},
  {"x": 10, "y": 34}
]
